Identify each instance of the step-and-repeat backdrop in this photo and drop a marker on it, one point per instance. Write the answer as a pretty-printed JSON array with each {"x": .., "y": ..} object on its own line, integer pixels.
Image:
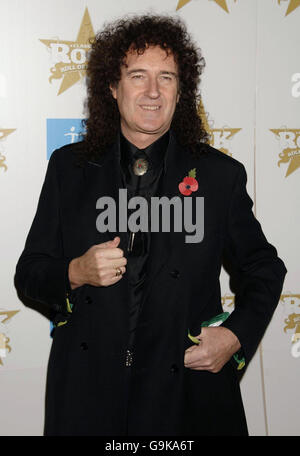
[{"x": 251, "y": 106}]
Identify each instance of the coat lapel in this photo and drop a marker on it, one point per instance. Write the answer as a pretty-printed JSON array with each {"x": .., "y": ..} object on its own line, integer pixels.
[
  {"x": 162, "y": 243},
  {"x": 103, "y": 178}
]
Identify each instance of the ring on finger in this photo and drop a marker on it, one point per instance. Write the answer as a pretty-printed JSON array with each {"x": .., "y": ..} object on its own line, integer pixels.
[{"x": 118, "y": 272}]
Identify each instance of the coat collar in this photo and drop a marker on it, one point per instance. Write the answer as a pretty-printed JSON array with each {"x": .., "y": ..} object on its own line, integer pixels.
[
  {"x": 104, "y": 176},
  {"x": 155, "y": 152}
]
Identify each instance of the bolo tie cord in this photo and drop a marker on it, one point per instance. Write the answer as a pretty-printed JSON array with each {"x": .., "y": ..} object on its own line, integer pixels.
[{"x": 140, "y": 167}]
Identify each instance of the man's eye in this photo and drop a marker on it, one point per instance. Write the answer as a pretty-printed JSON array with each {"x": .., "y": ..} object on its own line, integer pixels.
[{"x": 137, "y": 76}]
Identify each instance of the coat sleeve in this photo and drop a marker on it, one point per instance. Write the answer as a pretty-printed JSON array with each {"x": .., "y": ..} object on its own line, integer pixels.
[
  {"x": 42, "y": 270},
  {"x": 257, "y": 274}
]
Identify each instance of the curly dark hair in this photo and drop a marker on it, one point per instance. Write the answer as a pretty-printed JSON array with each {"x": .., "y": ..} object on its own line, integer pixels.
[{"x": 108, "y": 53}]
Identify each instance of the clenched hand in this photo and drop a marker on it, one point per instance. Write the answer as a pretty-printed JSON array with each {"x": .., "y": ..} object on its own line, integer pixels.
[{"x": 97, "y": 266}]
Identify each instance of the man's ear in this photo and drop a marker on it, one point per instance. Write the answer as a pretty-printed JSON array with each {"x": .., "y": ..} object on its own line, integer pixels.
[{"x": 113, "y": 90}]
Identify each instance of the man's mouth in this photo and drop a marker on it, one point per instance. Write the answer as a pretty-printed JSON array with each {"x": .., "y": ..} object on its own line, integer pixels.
[{"x": 150, "y": 107}]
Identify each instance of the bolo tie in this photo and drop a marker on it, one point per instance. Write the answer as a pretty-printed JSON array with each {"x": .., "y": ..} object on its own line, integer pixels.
[{"x": 140, "y": 167}]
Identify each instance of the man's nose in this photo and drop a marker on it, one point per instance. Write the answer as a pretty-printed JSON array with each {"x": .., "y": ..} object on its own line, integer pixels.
[{"x": 152, "y": 89}]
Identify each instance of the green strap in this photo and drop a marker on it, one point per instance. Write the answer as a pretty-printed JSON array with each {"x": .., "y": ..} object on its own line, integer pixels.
[
  {"x": 69, "y": 310},
  {"x": 61, "y": 323},
  {"x": 69, "y": 305},
  {"x": 216, "y": 321}
]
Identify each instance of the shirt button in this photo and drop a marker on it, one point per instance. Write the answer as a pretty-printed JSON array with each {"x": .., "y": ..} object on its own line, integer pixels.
[
  {"x": 84, "y": 346},
  {"x": 175, "y": 274},
  {"x": 174, "y": 368},
  {"x": 88, "y": 300}
]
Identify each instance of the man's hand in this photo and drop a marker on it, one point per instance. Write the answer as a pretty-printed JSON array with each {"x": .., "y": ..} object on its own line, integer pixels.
[
  {"x": 217, "y": 345},
  {"x": 97, "y": 266}
]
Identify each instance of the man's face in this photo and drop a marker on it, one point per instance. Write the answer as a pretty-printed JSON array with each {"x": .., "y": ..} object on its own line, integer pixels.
[{"x": 147, "y": 95}]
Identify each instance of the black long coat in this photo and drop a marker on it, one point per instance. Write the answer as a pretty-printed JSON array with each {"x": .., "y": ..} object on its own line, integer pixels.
[{"x": 90, "y": 391}]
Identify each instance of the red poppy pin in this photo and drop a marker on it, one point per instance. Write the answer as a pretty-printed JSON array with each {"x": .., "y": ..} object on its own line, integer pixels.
[{"x": 189, "y": 183}]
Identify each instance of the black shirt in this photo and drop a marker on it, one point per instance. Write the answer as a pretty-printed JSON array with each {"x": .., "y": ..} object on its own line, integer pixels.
[{"x": 145, "y": 186}]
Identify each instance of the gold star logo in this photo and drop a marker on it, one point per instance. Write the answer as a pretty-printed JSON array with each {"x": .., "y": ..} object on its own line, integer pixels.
[
  {"x": 221, "y": 3},
  {"x": 291, "y": 6},
  {"x": 227, "y": 302},
  {"x": 5, "y": 315},
  {"x": 182, "y": 3},
  {"x": 3, "y": 134},
  {"x": 290, "y": 303},
  {"x": 219, "y": 137},
  {"x": 289, "y": 143},
  {"x": 6, "y": 132},
  {"x": 70, "y": 57}
]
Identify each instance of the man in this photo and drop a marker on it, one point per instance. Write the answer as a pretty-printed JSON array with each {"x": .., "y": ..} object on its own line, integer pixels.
[{"x": 127, "y": 302}]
